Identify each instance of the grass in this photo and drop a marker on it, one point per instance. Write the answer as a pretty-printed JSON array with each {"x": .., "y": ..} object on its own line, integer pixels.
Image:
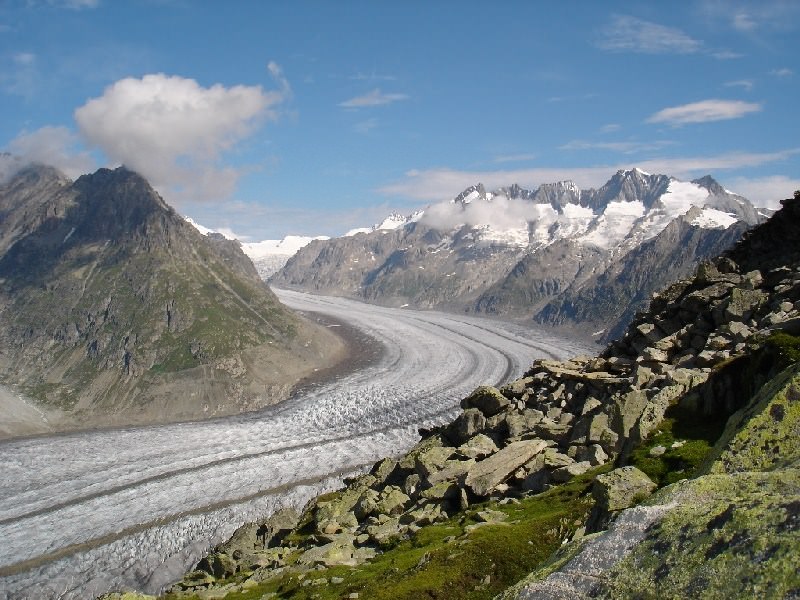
[
  {"x": 447, "y": 561},
  {"x": 698, "y": 433}
]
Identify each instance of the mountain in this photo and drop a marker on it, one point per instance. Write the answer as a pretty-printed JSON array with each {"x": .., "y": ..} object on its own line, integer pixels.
[
  {"x": 113, "y": 309},
  {"x": 579, "y": 259},
  {"x": 665, "y": 467}
]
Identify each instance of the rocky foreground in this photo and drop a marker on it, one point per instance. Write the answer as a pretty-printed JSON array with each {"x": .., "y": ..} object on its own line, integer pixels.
[{"x": 554, "y": 473}]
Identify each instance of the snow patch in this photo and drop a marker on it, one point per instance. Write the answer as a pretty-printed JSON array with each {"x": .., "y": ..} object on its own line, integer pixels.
[{"x": 711, "y": 218}]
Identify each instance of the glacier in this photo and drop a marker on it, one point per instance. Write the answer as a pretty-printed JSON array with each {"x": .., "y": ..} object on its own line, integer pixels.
[{"x": 134, "y": 508}]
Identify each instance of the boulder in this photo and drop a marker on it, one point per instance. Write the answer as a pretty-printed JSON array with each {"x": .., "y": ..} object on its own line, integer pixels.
[
  {"x": 341, "y": 551},
  {"x": 564, "y": 474},
  {"x": 478, "y": 446},
  {"x": 490, "y": 472},
  {"x": 218, "y": 564},
  {"x": 383, "y": 533},
  {"x": 427, "y": 462},
  {"x": 621, "y": 488},
  {"x": 392, "y": 501},
  {"x": 486, "y": 399},
  {"x": 453, "y": 471},
  {"x": 466, "y": 425}
]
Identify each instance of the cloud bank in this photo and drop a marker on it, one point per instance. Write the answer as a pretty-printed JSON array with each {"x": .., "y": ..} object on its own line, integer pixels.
[{"x": 173, "y": 131}]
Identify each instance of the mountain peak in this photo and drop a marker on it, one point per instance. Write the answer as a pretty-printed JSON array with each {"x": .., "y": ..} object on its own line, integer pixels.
[{"x": 710, "y": 184}]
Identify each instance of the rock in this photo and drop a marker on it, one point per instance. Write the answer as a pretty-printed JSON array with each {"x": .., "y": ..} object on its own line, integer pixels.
[
  {"x": 442, "y": 492},
  {"x": 453, "y": 471},
  {"x": 477, "y": 447},
  {"x": 487, "y": 399},
  {"x": 427, "y": 514},
  {"x": 518, "y": 424},
  {"x": 742, "y": 303},
  {"x": 490, "y": 472},
  {"x": 220, "y": 565},
  {"x": 564, "y": 474},
  {"x": 594, "y": 454},
  {"x": 466, "y": 425},
  {"x": 516, "y": 388},
  {"x": 367, "y": 504},
  {"x": 334, "y": 512},
  {"x": 411, "y": 485},
  {"x": 386, "y": 532},
  {"x": 392, "y": 501},
  {"x": 427, "y": 462},
  {"x": 621, "y": 488},
  {"x": 490, "y": 516},
  {"x": 382, "y": 470},
  {"x": 338, "y": 552}
]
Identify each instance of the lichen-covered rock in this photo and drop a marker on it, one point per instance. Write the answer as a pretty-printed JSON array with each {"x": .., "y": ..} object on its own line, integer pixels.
[
  {"x": 470, "y": 422},
  {"x": 486, "y": 399},
  {"x": 488, "y": 473},
  {"x": 621, "y": 488},
  {"x": 477, "y": 447}
]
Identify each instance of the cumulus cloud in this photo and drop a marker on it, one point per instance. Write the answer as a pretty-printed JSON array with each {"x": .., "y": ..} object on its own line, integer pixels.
[
  {"x": 501, "y": 213},
  {"x": 374, "y": 98},
  {"x": 55, "y": 146},
  {"x": 630, "y": 34},
  {"x": 704, "y": 111},
  {"x": 173, "y": 131}
]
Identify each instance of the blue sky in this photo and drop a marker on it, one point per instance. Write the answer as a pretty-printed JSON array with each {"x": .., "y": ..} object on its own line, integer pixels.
[{"x": 275, "y": 118}]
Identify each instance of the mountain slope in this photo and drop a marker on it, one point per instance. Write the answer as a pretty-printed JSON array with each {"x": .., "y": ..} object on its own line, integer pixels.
[
  {"x": 115, "y": 310},
  {"x": 561, "y": 255}
]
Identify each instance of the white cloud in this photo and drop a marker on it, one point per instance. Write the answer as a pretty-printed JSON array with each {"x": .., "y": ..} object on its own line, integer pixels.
[
  {"x": 500, "y": 213},
  {"x": 765, "y": 191},
  {"x": 24, "y": 58},
  {"x": 628, "y": 147},
  {"x": 74, "y": 4},
  {"x": 610, "y": 128},
  {"x": 784, "y": 72},
  {"x": 373, "y": 98},
  {"x": 746, "y": 84},
  {"x": 507, "y": 158},
  {"x": 704, "y": 111},
  {"x": 444, "y": 183},
  {"x": 630, "y": 34},
  {"x": 55, "y": 146},
  {"x": 726, "y": 54},
  {"x": 743, "y": 21},
  {"x": 367, "y": 125},
  {"x": 173, "y": 131}
]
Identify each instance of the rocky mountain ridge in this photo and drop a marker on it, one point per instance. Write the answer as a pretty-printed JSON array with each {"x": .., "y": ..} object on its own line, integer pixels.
[
  {"x": 113, "y": 309},
  {"x": 560, "y": 255},
  {"x": 698, "y": 398}
]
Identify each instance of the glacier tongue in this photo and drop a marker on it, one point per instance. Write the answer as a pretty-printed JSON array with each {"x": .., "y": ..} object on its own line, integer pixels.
[{"x": 134, "y": 508}]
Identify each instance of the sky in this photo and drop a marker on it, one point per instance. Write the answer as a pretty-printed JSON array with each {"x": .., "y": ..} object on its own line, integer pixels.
[{"x": 269, "y": 118}]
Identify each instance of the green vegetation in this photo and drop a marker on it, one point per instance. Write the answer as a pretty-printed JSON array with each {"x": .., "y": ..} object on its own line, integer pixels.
[
  {"x": 459, "y": 559},
  {"x": 787, "y": 346},
  {"x": 686, "y": 437}
]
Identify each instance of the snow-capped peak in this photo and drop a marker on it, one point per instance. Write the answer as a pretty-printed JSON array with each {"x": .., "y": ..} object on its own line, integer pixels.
[{"x": 393, "y": 221}]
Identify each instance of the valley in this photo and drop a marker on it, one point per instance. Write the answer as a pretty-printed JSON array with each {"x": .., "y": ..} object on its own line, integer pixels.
[{"x": 136, "y": 507}]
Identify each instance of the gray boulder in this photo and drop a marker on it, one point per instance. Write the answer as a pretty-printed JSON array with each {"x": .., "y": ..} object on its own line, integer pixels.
[{"x": 490, "y": 472}]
